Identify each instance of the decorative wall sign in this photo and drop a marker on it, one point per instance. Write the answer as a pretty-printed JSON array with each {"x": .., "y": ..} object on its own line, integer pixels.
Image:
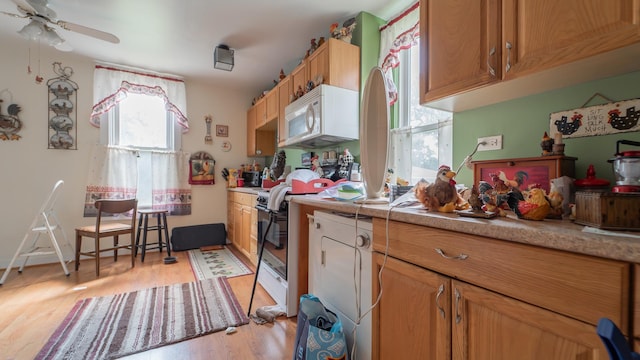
[
  {"x": 62, "y": 117},
  {"x": 10, "y": 124},
  {"x": 222, "y": 130},
  {"x": 208, "y": 139},
  {"x": 201, "y": 169},
  {"x": 610, "y": 118}
]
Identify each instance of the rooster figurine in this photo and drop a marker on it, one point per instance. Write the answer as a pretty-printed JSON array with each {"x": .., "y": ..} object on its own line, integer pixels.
[
  {"x": 441, "y": 195},
  {"x": 533, "y": 205}
]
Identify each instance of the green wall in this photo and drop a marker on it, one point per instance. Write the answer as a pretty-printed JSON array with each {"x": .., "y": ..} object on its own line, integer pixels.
[{"x": 522, "y": 122}]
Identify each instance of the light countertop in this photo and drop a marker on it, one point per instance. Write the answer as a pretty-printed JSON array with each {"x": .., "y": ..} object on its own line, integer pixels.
[{"x": 554, "y": 234}]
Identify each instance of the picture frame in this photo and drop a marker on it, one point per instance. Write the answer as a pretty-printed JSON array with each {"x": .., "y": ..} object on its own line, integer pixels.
[
  {"x": 202, "y": 171},
  {"x": 222, "y": 130}
]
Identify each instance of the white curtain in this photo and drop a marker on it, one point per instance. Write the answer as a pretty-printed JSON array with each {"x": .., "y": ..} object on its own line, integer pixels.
[
  {"x": 104, "y": 183},
  {"x": 111, "y": 85},
  {"x": 170, "y": 182},
  {"x": 398, "y": 34},
  {"x": 114, "y": 169}
]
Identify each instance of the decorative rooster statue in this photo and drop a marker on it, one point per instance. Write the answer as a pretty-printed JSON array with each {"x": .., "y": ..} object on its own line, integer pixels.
[
  {"x": 532, "y": 205},
  {"x": 10, "y": 124},
  {"x": 441, "y": 195}
]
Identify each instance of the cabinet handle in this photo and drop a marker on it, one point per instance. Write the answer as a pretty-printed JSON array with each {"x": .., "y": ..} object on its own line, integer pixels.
[
  {"x": 458, "y": 257},
  {"x": 323, "y": 257},
  {"x": 440, "y": 309},
  {"x": 509, "y": 46},
  {"x": 458, "y": 316},
  {"x": 492, "y": 52}
]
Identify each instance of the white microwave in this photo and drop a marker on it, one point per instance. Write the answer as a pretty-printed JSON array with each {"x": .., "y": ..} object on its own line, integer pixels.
[{"x": 324, "y": 116}]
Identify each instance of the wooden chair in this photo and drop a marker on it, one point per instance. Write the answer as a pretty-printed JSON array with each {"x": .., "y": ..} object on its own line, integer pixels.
[{"x": 103, "y": 229}]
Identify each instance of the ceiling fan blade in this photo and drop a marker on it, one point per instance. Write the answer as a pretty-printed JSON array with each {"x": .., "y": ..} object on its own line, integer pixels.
[
  {"x": 88, "y": 31},
  {"x": 24, "y": 7},
  {"x": 14, "y": 15}
]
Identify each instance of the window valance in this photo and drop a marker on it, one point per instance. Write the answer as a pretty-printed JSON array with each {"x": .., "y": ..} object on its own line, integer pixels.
[
  {"x": 112, "y": 84},
  {"x": 398, "y": 34}
]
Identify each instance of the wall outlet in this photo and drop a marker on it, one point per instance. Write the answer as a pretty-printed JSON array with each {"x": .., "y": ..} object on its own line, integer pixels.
[{"x": 492, "y": 143}]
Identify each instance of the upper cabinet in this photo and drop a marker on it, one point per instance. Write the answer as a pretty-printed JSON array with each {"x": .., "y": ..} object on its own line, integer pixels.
[
  {"x": 541, "y": 44},
  {"x": 337, "y": 62},
  {"x": 285, "y": 91},
  {"x": 260, "y": 142}
]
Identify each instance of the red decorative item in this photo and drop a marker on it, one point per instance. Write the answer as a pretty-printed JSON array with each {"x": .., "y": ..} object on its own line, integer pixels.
[{"x": 591, "y": 182}]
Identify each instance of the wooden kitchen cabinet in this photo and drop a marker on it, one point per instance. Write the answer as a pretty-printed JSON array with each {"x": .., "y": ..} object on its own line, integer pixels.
[
  {"x": 509, "y": 39},
  {"x": 458, "y": 57},
  {"x": 422, "y": 329},
  {"x": 337, "y": 62},
  {"x": 285, "y": 92},
  {"x": 506, "y": 300},
  {"x": 488, "y": 326},
  {"x": 243, "y": 222},
  {"x": 299, "y": 77},
  {"x": 260, "y": 142},
  {"x": 261, "y": 112},
  {"x": 271, "y": 106}
]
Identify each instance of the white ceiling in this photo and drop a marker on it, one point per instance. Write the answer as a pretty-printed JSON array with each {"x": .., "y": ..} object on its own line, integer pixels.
[{"x": 178, "y": 37}]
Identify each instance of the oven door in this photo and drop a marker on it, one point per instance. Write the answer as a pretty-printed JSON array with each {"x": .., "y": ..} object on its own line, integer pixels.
[{"x": 275, "y": 241}]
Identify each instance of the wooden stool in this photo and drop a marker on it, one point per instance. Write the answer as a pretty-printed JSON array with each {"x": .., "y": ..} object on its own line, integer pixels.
[{"x": 161, "y": 215}]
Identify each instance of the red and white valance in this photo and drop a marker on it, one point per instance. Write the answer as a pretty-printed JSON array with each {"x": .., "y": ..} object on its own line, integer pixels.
[
  {"x": 112, "y": 84},
  {"x": 398, "y": 34}
]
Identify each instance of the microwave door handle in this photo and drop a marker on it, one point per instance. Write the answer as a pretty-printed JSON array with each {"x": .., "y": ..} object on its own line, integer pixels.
[{"x": 310, "y": 118}]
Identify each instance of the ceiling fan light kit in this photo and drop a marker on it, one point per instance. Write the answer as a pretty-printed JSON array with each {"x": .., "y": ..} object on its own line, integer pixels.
[
  {"x": 223, "y": 58},
  {"x": 36, "y": 29},
  {"x": 41, "y": 16}
]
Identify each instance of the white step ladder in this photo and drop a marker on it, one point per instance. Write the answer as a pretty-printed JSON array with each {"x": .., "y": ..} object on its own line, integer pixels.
[{"x": 47, "y": 222}]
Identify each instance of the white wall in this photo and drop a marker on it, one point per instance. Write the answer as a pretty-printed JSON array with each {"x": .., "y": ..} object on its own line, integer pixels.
[{"x": 28, "y": 169}]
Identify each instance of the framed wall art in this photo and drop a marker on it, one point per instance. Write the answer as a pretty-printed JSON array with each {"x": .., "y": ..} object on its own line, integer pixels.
[
  {"x": 202, "y": 169},
  {"x": 222, "y": 130}
]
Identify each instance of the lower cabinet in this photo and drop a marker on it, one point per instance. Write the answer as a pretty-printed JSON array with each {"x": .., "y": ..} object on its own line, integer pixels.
[
  {"x": 447, "y": 295},
  {"x": 242, "y": 222}
]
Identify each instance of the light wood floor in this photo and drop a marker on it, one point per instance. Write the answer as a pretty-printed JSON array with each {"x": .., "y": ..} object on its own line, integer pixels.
[{"x": 34, "y": 303}]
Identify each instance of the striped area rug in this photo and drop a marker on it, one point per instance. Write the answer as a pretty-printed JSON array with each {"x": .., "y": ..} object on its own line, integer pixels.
[{"x": 114, "y": 326}]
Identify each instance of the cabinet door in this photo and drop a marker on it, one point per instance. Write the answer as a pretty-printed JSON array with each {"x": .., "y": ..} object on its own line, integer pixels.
[
  {"x": 318, "y": 64},
  {"x": 261, "y": 113},
  {"x": 544, "y": 34},
  {"x": 230, "y": 217},
  {"x": 413, "y": 318},
  {"x": 459, "y": 46},
  {"x": 299, "y": 77},
  {"x": 251, "y": 131},
  {"x": 489, "y": 326},
  {"x": 285, "y": 91},
  {"x": 237, "y": 225},
  {"x": 246, "y": 231},
  {"x": 253, "y": 238},
  {"x": 271, "y": 105}
]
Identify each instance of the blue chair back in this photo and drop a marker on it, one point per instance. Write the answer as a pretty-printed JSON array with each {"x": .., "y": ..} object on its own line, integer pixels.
[{"x": 616, "y": 344}]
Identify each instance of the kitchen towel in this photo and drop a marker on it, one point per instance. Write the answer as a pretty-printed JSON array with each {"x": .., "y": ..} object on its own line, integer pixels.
[{"x": 276, "y": 196}]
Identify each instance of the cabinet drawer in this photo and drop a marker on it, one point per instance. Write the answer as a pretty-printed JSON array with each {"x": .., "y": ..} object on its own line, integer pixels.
[
  {"x": 246, "y": 199},
  {"x": 636, "y": 307},
  {"x": 583, "y": 287}
]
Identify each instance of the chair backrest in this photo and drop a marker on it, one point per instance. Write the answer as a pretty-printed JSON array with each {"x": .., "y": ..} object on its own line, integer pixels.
[
  {"x": 616, "y": 344},
  {"x": 116, "y": 206}
]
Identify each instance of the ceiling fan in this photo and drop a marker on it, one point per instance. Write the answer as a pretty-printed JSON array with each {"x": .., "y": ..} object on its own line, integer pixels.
[{"x": 41, "y": 16}]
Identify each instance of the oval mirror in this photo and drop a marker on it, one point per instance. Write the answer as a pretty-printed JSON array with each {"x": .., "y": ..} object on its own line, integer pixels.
[{"x": 374, "y": 135}]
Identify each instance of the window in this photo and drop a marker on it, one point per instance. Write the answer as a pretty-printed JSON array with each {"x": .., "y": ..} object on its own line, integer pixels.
[
  {"x": 422, "y": 140},
  {"x": 141, "y": 122}
]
